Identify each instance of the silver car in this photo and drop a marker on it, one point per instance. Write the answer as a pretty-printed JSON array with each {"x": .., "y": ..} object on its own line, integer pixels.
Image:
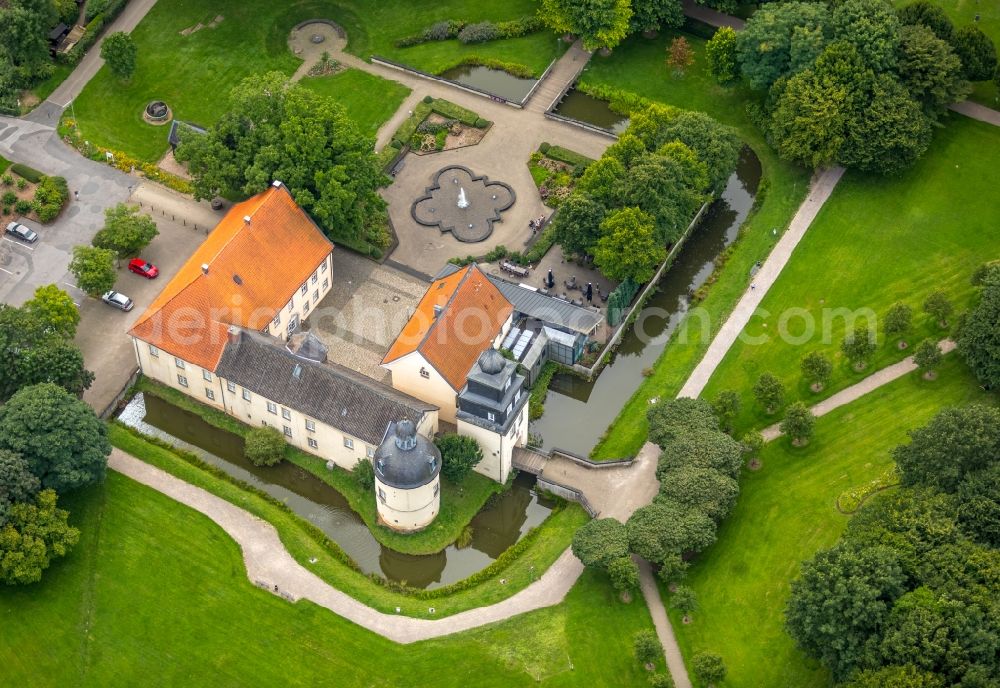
[
  {"x": 23, "y": 233},
  {"x": 118, "y": 300}
]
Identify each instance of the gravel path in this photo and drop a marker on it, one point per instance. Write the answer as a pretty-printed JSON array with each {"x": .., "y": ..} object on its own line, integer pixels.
[
  {"x": 977, "y": 111},
  {"x": 671, "y": 650}
]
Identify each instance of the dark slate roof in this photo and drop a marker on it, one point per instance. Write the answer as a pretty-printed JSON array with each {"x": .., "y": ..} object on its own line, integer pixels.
[
  {"x": 174, "y": 137},
  {"x": 548, "y": 309},
  {"x": 331, "y": 394},
  {"x": 406, "y": 459}
]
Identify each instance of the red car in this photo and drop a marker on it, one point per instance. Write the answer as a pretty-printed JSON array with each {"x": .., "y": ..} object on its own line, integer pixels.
[{"x": 141, "y": 267}]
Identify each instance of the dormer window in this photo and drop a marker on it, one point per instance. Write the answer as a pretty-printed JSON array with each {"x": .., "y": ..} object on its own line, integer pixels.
[
  {"x": 424, "y": 373},
  {"x": 506, "y": 385},
  {"x": 491, "y": 416}
]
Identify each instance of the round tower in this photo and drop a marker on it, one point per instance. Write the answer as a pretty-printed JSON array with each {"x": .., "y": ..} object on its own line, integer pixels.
[{"x": 407, "y": 478}]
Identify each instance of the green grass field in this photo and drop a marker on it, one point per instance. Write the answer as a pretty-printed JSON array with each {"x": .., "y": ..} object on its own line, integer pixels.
[
  {"x": 193, "y": 74},
  {"x": 369, "y": 100},
  {"x": 638, "y": 66},
  {"x": 156, "y": 594},
  {"x": 786, "y": 513},
  {"x": 875, "y": 242}
]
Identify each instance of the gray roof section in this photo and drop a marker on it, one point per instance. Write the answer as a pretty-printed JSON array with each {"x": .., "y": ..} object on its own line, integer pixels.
[
  {"x": 548, "y": 309},
  {"x": 406, "y": 459},
  {"x": 331, "y": 394}
]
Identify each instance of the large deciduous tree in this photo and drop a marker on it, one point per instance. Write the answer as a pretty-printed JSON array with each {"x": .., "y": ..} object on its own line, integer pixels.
[
  {"x": 119, "y": 52},
  {"x": 798, "y": 423},
  {"x": 599, "y": 23},
  {"x": 671, "y": 417},
  {"x": 54, "y": 309},
  {"x": 872, "y": 27},
  {"x": 578, "y": 224},
  {"x": 24, "y": 33},
  {"x": 781, "y": 39},
  {"x": 701, "y": 447},
  {"x": 274, "y": 131},
  {"x": 977, "y": 52},
  {"x": 705, "y": 489},
  {"x": 34, "y": 351},
  {"x": 64, "y": 444},
  {"x": 94, "y": 269},
  {"x": 716, "y": 145},
  {"x": 629, "y": 247},
  {"x": 979, "y": 335},
  {"x": 930, "y": 70},
  {"x": 34, "y": 535},
  {"x": 126, "y": 231},
  {"x": 926, "y": 13},
  {"x": 653, "y": 15},
  {"x": 662, "y": 528},
  {"x": 896, "y": 676},
  {"x": 599, "y": 542},
  {"x": 17, "y": 482}
]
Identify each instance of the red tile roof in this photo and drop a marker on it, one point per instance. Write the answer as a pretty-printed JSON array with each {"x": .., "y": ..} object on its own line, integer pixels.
[{"x": 253, "y": 270}]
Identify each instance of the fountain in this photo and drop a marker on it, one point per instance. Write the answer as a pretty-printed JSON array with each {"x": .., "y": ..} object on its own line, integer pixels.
[
  {"x": 463, "y": 202},
  {"x": 469, "y": 217},
  {"x": 156, "y": 112}
]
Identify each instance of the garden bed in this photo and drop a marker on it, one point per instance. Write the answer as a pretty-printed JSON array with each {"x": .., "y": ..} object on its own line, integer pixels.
[
  {"x": 437, "y": 124},
  {"x": 555, "y": 171},
  {"x": 27, "y": 193}
]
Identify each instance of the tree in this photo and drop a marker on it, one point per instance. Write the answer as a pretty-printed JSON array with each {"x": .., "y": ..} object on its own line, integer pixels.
[
  {"x": 752, "y": 442},
  {"x": 459, "y": 455},
  {"x": 663, "y": 528},
  {"x": 698, "y": 487},
  {"x": 647, "y": 647},
  {"x": 816, "y": 369},
  {"x": 673, "y": 568},
  {"x": 926, "y": 13},
  {"x": 808, "y": 121},
  {"x": 709, "y": 668},
  {"x": 897, "y": 320},
  {"x": 858, "y": 346},
  {"x": 54, "y": 309},
  {"x": 927, "y": 356},
  {"x": 364, "y": 473},
  {"x": 976, "y": 52},
  {"x": 798, "y": 424},
  {"x": 669, "y": 418},
  {"x": 264, "y": 446},
  {"x": 64, "y": 444},
  {"x": 661, "y": 680},
  {"x": 119, "y": 51},
  {"x": 872, "y": 27},
  {"x": 930, "y": 70},
  {"x": 727, "y": 406},
  {"x": 24, "y": 32},
  {"x": 955, "y": 443},
  {"x": 679, "y": 55},
  {"x": 896, "y": 676},
  {"x": 979, "y": 337},
  {"x": 720, "y": 51},
  {"x": 841, "y": 601},
  {"x": 273, "y": 131},
  {"x": 769, "y": 392},
  {"x": 578, "y": 224},
  {"x": 653, "y": 15},
  {"x": 32, "y": 353},
  {"x": 939, "y": 305},
  {"x": 700, "y": 447},
  {"x": 684, "y": 600},
  {"x": 979, "y": 505},
  {"x": 33, "y": 536},
  {"x": 716, "y": 145},
  {"x": 17, "y": 483},
  {"x": 126, "y": 231},
  {"x": 653, "y": 185},
  {"x": 599, "y": 23},
  {"x": 600, "y": 541},
  {"x": 628, "y": 248},
  {"x": 94, "y": 269},
  {"x": 781, "y": 39},
  {"x": 624, "y": 574}
]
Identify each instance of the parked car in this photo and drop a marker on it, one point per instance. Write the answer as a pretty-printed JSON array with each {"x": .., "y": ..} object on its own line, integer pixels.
[
  {"x": 144, "y": 268},
  {"x": 118, "y": 300},
  {"x": 21, "y": 232}
]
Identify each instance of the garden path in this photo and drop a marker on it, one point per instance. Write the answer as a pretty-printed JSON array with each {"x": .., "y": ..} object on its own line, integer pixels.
[
  {"x": 710, "y": 16},
  {"x": 661, "y": 622},
  {"x": 977, "y": 111},
  {"x": 854, "y": 392}
]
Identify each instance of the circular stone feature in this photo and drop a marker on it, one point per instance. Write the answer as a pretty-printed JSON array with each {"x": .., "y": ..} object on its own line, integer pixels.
[
  {"x": 317, "y": 38},
  {"x": 156, "y": 112},
  {"x": 462, "y": 203}
]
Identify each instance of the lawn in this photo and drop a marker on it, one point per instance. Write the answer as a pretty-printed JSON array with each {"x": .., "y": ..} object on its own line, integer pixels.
[
  {"x": 538, "y": 549},
  {"x": 369, "y": 100},
  {"x": 156, "y": 594},
  {"x": 638, "y": 66},
  {"x": 193, "y": 74},
  {"x": 963, "y": 12},
  {"x": 876, "y": 241},
  {"x": 785, "y": 513}
]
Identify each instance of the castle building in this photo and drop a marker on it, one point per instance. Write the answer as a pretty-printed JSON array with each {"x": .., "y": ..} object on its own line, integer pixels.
[{"x": 407, "y": 478}]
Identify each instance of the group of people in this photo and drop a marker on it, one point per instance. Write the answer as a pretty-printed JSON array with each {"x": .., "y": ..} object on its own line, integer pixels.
[{"x": 535, "y": 225}]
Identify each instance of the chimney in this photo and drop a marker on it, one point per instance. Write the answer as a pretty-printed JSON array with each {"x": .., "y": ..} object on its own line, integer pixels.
[
  {"x": 233, "y": 334},
  {"x": 437, "y": 310},
  {"x": 276, "y": 184},
  {"x": 204, "y": 268},
  {"x": 246, "y": 219}
]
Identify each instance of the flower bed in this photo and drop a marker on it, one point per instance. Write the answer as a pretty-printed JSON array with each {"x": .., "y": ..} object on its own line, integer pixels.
[{"x": 851, "y": 500}]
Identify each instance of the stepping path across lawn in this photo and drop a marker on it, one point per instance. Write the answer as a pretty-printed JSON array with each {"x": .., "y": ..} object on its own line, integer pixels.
[{"x": 856, "y": 391}]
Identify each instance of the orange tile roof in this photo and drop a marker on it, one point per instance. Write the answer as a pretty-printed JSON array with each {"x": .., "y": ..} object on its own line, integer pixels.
[
  {"x": 472, "y": 312},
  {"x": 253, "y": 271}
]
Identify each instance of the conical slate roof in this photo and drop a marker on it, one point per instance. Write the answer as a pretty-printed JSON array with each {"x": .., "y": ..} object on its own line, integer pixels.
[{"x": 406, "y": 459}]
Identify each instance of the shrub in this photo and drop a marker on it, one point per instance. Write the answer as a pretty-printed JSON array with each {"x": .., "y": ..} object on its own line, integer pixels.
[
  {"x": 396, "y": 144},
  {"x": 661, "y": 681},
  {"x": 7, "y": 180},
  {"x": 264, "y": 446},
  {"x": 428, "y": 100},
  {"x": 29, "y": 173},
  {"x": 364, "y": 473},
  {"x": 50, "y": 197},
  {"x": 22, "y": 183},
  {"x": 23, "y": 207},
  {"x": 479, "y": 32},
  {"x": 9, "y": 198},
  {"x": 519, "y": 27},
  {"x": 481, "y": 123},
  {"x": 647, "y": 647},
  {"x": 544, "y": 147},
  {"x": 708, "y": 667},
  {"x": 443, "y": 30},
  {"x": 6, "y": 209},
  {"x": 459, "y": 455}
]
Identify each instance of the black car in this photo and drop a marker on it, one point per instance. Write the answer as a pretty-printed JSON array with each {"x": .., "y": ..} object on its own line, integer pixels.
[{"x": 21, "y": 232}]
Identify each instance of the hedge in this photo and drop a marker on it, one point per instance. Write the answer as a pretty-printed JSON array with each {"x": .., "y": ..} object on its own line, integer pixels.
[{"x": 29, "y": 173}]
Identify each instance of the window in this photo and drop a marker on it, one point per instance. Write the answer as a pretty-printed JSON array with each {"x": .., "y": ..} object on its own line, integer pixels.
[
  {"x": 349, "y": 443},
  {"x": 285, "y": 413},
  {"x": 437, "y": 488},
  {"x": 272, "y": 407},
  {"x": 425, "y": 374},
  {"x": 179, "y": 363},
  {"x": 315, "y": 278},
  {"x": 210, "y": 394},
  {"x": 246, "y": 394},
  {"x": 287, "y": 430},
  {"x": 206, "y": 375},
  {"x": 506, "y": 385},
  {"x": 370, "y": 452},
  {"x": 323, "y": 266},
  {"x": 183, "y": 381},
  {"x": 277, "y": 319},
  {"x": 231, "y": 386},
  {"x": 381, "y": 495},
  {"x": 508, "y": 409},
  {"x": 313, "y": 444},
  {"x": 291, "y": 305},
  {"x": 153, "y": 351},
  {"x": 517, "y": 395},
  {"x": 305, "y": 307},
  {"x": 311, "y": 425},
  {"x": 316, "y": 296},
  {"x": 267, "y": 329},
  {"x": 490, "y": 415},
  {"x": 305, "y": 288},
  {"x": 326, "y": 284}
]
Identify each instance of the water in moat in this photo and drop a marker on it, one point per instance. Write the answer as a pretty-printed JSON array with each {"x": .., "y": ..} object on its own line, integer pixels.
[
  {"x": 580, "y": 106},
  {"x": 577, "y": 412},
  {"x": 495, "y": 81},
  {"x": 495, "y": 528}
]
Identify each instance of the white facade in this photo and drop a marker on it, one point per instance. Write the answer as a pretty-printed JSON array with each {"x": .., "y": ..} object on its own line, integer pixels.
[
  {"x": 408, "y": 510},
  {"x": 303, "y": 301},
  {"x": 193, "y": 380},
  {"x": 414, "y": 375},
  {"x": 498, "y": 450}
]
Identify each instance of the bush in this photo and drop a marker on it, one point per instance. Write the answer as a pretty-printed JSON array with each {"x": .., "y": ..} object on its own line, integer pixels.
[
  {"x": 459, "y": 455},
  {"x": 7, "y": 180},
  {"x": 22, "y": 183},
  {"x": 647, "y": 647},
  {"x": 29, "y": 173},
  {"x": 708, "y": 667},
  {"x": 442, "y": 30},
  {"x": 428, "y": 100},
  {"x": 9, "y": 198},
  {"x": 396, "y": 144},
  {"x": 23, "y": 207},
  {"x": 50, "y": 197},
  {"x": 364, "y": 473},
  {"x": 544, "y": 147},
  {"x": 661, "y": 681},
  {"x": 264, "y": 446},
  {"x": 481, "y": 123},
  {"x": 519, "y": 27},
  {"x": 479, "y": 32}
]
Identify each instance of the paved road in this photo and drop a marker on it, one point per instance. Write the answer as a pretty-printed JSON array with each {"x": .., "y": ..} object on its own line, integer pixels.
[{"x": 856, "y": 391}]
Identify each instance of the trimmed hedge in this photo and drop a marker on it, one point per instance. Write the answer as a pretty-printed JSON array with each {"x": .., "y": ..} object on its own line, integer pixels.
[
  {"x": 478, "y": 32},
  {"x": 442, "y": 107},
  {"x": 29, "y": 173}
]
